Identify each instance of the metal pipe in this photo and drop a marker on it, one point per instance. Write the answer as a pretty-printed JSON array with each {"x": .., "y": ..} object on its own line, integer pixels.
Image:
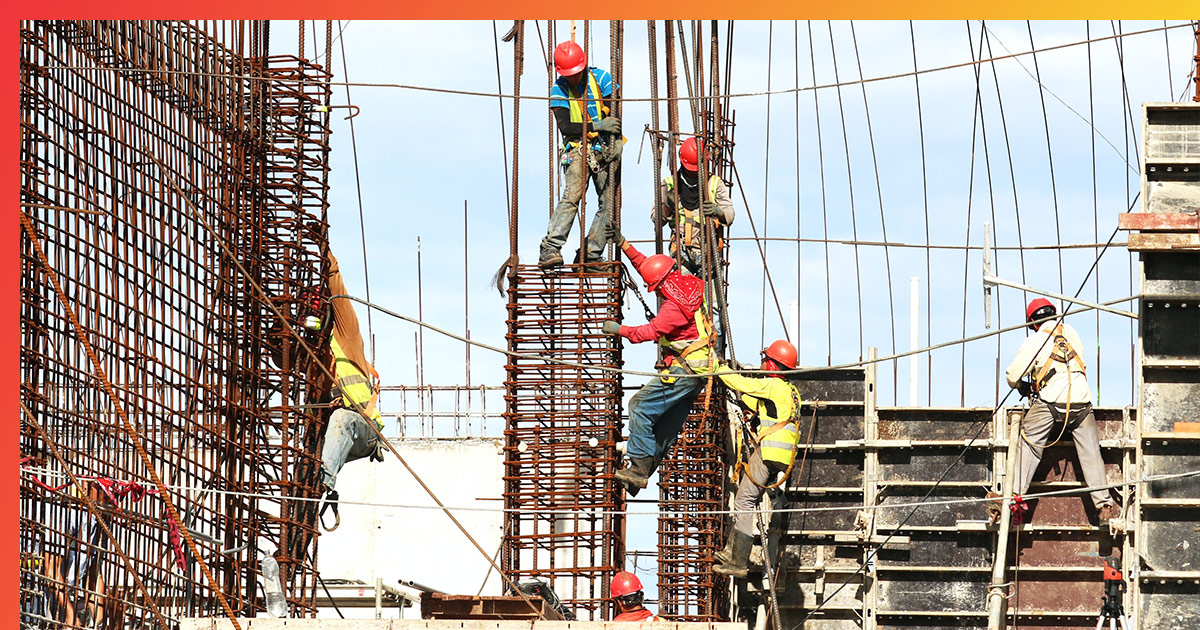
[{"x": 914, "y": 337}]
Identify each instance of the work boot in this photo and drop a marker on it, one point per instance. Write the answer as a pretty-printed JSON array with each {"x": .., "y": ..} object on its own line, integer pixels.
[
  {"x": 738, "y": 564},
  {"x": 550, "y": 261},
  {"x": 1106, "y": 513},
  {"x": 993, "y": 507},
  {"x": 725, "y": 556},
  {"x": 637, "y": 475}
]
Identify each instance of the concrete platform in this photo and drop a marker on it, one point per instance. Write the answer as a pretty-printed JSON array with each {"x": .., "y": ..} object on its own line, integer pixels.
[{"x": 220, "y": 623}]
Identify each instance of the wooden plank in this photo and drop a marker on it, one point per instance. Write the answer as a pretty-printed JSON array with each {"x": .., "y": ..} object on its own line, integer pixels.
[
  {"x": 1158, "y": 221},
  {"x": 1163, "y": 241},
  {"x": 1187, "y": 427}
]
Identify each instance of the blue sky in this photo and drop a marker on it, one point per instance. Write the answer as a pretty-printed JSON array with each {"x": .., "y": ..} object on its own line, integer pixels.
[{"x": 421, "y": 154}]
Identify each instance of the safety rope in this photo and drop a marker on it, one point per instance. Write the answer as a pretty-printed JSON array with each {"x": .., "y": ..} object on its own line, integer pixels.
[{"x": 742, "y": 467}]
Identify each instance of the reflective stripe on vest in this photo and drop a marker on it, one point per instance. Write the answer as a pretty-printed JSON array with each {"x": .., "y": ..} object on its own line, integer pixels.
[
  {"x": 688, "y": 222},
  {"x": 578, "y": 108},
  {"x": 355, "y": 387},
  {"x": 697, "y": 358},
  {"x": 779, "y": 444}
]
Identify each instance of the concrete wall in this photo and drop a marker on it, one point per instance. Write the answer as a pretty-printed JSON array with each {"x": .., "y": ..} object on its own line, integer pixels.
[{"x": 422, "y": 545}]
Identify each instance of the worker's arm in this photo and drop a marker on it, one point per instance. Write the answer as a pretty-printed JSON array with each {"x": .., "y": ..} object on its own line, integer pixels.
[
  {"x": 725, "y": 202},
  {"x": 670, "y": 319},
  {"x": 569, "y": 130},
  {"x": 1023, "y": 364},
  {"x": 666, "y": 209},
  {"x": 635, "y": 257},
  {"x": 757, "y": 387}
]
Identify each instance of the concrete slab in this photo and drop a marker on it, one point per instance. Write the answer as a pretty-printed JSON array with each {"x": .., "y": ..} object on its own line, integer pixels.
[{"x": 215, "y": 623}]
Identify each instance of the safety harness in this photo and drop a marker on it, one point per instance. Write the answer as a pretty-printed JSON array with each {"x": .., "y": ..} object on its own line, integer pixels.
[
  {"x": 689, "y": 222},
  {"x": 793, "y": 419},
  {"x": 579, "y": 110},
  {"x": 1063, "y": 353}
]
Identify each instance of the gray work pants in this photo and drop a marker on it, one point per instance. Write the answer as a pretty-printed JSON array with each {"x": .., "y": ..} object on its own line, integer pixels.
[
  {"x": 575, "y": 175},
  {"x": 1040, "y": 429},
  {"x": 745, "y": 502},
  {"x": 348, "y": 437}
]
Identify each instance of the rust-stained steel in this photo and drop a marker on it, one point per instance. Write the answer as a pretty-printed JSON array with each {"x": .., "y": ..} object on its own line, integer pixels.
[
  {"x": 693, "y": 479},
  {"x": 214, "y": 389},
  {"x": 562, "y": 426}
]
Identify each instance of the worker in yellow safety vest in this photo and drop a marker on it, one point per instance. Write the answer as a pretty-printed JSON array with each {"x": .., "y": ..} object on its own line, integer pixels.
[
  {"x": 580, "y": 99},
  {"x": 354, "y": 395},
  {"x": 697, "y": 205},
  {"x": 774, "y": 403}
]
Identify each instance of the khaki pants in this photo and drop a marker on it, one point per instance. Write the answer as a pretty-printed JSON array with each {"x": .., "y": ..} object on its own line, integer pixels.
[
  {"x": 749, "y": 493},
  {"x": 1040, "y": 429}
]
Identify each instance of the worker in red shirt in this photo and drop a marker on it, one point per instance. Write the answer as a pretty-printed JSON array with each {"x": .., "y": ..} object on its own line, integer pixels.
[
  {"x": 658, "y": 410},
  {"x": 626, "y": 589}
]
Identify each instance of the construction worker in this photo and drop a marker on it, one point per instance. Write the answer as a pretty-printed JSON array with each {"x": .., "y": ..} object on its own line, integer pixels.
[
  {"x": 1050, "y": 370},
  {"x": 626, "y": 589},
  {"x": 349, "y": 434},
  {"x": 658, "y": 410},
  {"x": 579, "y": 100},
  {"x": 775, "y": 403},
  {"x": 698, "y": 204}
]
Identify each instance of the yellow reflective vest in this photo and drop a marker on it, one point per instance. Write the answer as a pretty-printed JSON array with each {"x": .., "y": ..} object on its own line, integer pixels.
[
  {"x": 777, "y": 404},
  {"x": 354, "y": 385},
  {"x": 578, "y": 107}
]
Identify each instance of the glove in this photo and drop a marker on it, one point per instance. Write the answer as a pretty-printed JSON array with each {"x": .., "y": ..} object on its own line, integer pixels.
[
  {"x": 612, "y": 124},
  {"x": 614, "y": 234},
  {"x": 1024, "y": 388},
  {"x": 611, "y": 327},
  {"x": 711, "y": 209}
]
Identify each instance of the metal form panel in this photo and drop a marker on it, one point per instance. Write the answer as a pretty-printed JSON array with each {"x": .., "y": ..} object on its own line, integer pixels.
[
  {"x": 173, "y": 182},
  {"x": 1165, "y": 587},
  {"x": 563, "y": 424},
  {"x": 873, "y": 559},
  {"x": 692, "y": 479}
]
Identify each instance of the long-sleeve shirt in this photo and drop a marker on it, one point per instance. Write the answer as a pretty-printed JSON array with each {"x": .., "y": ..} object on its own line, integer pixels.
[
  {"x": 1060, "y": 388},
  {"x": 771, "y": 400},
  {"x": 665, "y": 213},
  {"x": 671, "y": 322}
]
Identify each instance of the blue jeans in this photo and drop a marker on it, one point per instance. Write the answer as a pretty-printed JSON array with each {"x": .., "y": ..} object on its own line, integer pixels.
[
  {"x": 575, "y": 176},
  {"x": 348, "y": 437},
  {"x": 657, "y": 413}
]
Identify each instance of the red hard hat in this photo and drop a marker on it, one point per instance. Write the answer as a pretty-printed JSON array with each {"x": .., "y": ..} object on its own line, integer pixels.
[
  {"x": 624, "y": 583},
  {"x": 1035, "y": 306},
  {"x": 654, "y": 269},
  {"x": 689, "y": 155},
  {"x": 569, "y": 59},
  {"x": 781, "y": 352}
]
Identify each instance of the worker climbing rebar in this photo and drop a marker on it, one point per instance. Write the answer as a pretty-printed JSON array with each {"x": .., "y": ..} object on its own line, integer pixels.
[
  {"x": 626, "y": 591},
  {"x": 774, "y": 403},
  {"x": 1050, "y": 371},
  {"x": 682, "y": 326},
  {"x": 578, "y": 101},
  {"x": 348, "y": 436},
  {"x": 697, "y": 204}
]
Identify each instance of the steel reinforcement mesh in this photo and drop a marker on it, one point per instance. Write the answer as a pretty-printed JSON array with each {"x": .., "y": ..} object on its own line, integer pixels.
[
  {"x": 562, "y": 427},
  {"x": 173, "y": 182},
  {"x": 692, "y": 480}
]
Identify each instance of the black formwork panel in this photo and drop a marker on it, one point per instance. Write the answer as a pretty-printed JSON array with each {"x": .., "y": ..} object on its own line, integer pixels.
[
  {"x": 939, "y": 548},
  {"x": 1170, "y": 604},
  {"x": 930, "y": 514},
  {"x": 934, "y": 424},
  {"x": 831, "y": 385},
  {"x": 905, "y": 591},
  {"x": 833, "y": 423},
  {"x": 931, "y": 463},
  {"x": 840, "y": 519},
  {"x": 1172, "y": 543},
  {"x": 1169, "y": 396}
]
